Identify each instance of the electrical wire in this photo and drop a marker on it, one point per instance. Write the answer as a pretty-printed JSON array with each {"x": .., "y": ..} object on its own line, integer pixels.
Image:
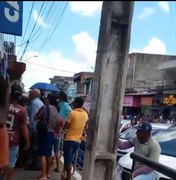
[
  {"x": 36, "y": 20},
  {"x": 50, "y": 68},
  {"x": 58, "y": 21},
  {"x": 50, "y": 30},
  {"x": 22, "y": 43},
  {"x": 32, "y": 31},
  {"x": 40, "y": 28},
  {"x": 49, "y": 16}
]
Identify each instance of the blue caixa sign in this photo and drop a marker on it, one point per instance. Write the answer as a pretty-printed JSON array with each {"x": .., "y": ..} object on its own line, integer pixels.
[{"x": 11, "y": 17}]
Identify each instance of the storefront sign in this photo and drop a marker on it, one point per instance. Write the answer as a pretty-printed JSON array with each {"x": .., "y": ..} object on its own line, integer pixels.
[
  {"x": 146, "y": 101},
  {"x": 128, "y": 101},
  {"x": 132, "y": 101},
  {"x": 11, "y": 17},
  {"x": 171, "y": 100}
]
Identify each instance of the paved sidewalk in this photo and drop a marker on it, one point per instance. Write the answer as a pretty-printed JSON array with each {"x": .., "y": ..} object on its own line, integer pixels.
[{"x": 21, "y": 174}]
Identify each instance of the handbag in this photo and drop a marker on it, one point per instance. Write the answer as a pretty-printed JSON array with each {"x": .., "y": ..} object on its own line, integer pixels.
[{"x": 42, "y": 125}]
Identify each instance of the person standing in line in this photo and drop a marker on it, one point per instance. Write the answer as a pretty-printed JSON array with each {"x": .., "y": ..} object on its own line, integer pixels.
[
  {"x": 48, "y": 116},
  {"x": 79, "y": 161},
  {"x": 4, "y": 140},
  {"x": 64, "y": 106},
  {"x": 34, "y": 106},
  {"x": 64, "y": 111},
  {"x": 74, "y": 126},
  {"x": 144, "y": 145},
  {"x": 23, "y": 154},
  {"x": 16, "y": 124},
  {"x": 57, "y": 140}
]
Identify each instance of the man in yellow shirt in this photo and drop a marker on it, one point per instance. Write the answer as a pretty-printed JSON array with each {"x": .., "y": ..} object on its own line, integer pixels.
[{"x": 74, "y": 126}]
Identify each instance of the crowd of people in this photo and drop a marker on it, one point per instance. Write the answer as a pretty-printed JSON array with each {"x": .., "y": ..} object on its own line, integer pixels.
[
  {"x": 154, "y": 119},
  {"x": 37, "y": 125},
  {"x": 34, "y": 127}
]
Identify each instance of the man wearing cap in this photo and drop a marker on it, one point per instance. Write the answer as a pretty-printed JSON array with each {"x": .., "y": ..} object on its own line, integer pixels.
[{"x": 146, "y": 146}]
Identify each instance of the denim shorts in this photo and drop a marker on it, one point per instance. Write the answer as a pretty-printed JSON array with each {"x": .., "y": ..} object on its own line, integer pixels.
[
  {"x": 13, "y": 155},
  {"x": 45, "y": 144},
  {"x": 70, "y": 148},
  {"x": 56, "y": 145}
]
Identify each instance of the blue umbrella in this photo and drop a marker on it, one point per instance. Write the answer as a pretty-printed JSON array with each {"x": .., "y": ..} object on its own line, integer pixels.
[{"x": 45, "y": 87}]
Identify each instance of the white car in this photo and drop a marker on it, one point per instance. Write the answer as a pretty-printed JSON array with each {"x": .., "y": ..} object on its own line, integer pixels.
[
  {"x": 124, "y": 125},
  {"x": 167, "y": 141},
  {"x": 131, "y": 132}
]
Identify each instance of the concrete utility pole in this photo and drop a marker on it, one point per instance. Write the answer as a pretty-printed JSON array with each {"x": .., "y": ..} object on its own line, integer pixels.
[
  {"x": 108, "y": 90},
  {"x": 1, "y": 47}
]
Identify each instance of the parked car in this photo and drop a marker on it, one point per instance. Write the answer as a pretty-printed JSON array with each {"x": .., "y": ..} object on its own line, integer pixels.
[
  {"x": 131, "y": 132},
  {"x": 167, "y": 141},
  {"x": 124, "y": 125}
]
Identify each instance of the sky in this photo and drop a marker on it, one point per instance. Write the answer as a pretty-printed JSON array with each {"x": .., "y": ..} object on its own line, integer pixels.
[{"x": 63, "y": 36}]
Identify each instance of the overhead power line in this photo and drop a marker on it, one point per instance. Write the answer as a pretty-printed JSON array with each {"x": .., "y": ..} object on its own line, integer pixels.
[
  {"x": 47, "y": 15},
  {"x": 50, "y": 68},
  {"x": 58, "y": 21},
  {"x": 32, "y": 31},
  {"x": 36, "y": 20},
  {"x": 22, "y": 43}
]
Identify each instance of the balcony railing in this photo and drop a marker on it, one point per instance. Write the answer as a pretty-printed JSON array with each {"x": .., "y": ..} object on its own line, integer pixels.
[{"x": 10, "y": 44}]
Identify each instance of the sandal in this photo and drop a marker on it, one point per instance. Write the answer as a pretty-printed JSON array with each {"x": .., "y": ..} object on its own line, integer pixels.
[
  {"x": 56, "y": 170},
  {"x": 41, "y": 178},
  {"x": 48, "y": 176}
]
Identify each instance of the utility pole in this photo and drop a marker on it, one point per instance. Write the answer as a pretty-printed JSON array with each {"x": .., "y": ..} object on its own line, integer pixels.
[
  {"x": 108, "y": 90},
  {"x": 1, "y": 48}
]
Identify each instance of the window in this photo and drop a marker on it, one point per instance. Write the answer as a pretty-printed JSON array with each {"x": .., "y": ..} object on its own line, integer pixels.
[{"x": 167, "y": 141}]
